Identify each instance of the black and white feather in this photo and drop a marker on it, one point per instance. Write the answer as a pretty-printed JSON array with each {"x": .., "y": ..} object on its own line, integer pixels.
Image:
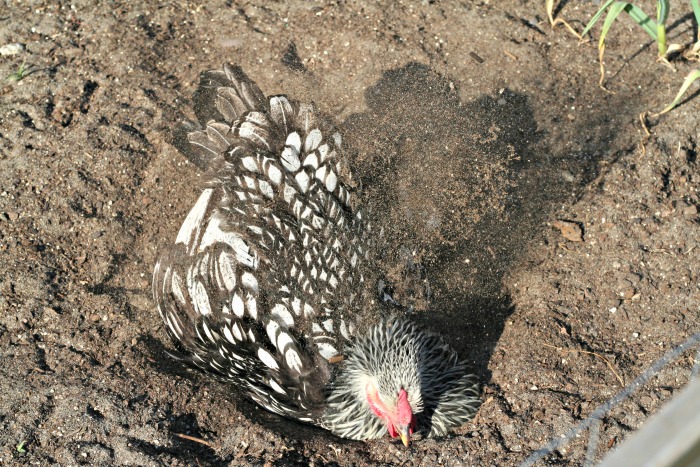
[{"x": 264, "y": 284}]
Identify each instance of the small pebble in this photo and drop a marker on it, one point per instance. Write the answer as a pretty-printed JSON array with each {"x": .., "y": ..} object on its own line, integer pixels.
[
  {"x": 628, "y": 293},
  {"x": 571, "y": 231},
  {"x": 11, "y": 49}
]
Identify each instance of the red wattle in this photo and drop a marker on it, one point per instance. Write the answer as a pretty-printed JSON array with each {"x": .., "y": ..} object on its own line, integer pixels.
[{"x": 392, "y": 431}]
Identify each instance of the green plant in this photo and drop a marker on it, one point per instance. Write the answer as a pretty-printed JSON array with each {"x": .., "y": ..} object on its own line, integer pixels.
[
  {"x": 20, "y": 74},
  {"x": 21, "y": 447},
  {"x": 695, "y": 74},
  {"x": 655, "y": 28}
]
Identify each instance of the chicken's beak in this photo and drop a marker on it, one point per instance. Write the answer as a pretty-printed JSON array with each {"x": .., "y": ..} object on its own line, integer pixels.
[{"x": 405, "y": 436}]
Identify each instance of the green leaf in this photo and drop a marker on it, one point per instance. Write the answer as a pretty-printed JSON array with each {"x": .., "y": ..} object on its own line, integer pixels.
[
  {"x": 615, "y": 10},
  {"x": 695, "y": 74},
  {"x": 597, "y": 16},
  {"x": 696, "y": 9},
  {"x": 643, "y": 20},
  {"x": 637, "y": 15},
  {"x": 662, "y": 7}
]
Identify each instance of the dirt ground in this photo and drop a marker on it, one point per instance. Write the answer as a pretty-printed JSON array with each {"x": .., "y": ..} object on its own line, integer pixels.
[{"x": 480, "y": 136}]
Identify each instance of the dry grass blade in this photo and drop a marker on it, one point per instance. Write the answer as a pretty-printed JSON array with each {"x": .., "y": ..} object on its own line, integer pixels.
[
  {"x": 601, "y": 52},
  {"x": 643, "y": 119},
  {"x": 553, "y": 22},
  {"x": 614, "y": 12},
  {"x": 693, "y": 53},
  {"x": 643, "y": 143},
  {"x": 695, "y": 74}
]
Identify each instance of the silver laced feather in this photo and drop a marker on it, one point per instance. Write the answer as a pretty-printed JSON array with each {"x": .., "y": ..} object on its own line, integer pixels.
[{"x": 264, "y": 284}]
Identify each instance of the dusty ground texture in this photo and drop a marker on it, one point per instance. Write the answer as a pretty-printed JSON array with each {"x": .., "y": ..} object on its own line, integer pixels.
[{"x": 475, "y": 129}]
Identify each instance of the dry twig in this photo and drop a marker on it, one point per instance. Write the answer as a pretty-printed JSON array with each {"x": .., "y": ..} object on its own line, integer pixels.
[{"x": 196, "y": 440}]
